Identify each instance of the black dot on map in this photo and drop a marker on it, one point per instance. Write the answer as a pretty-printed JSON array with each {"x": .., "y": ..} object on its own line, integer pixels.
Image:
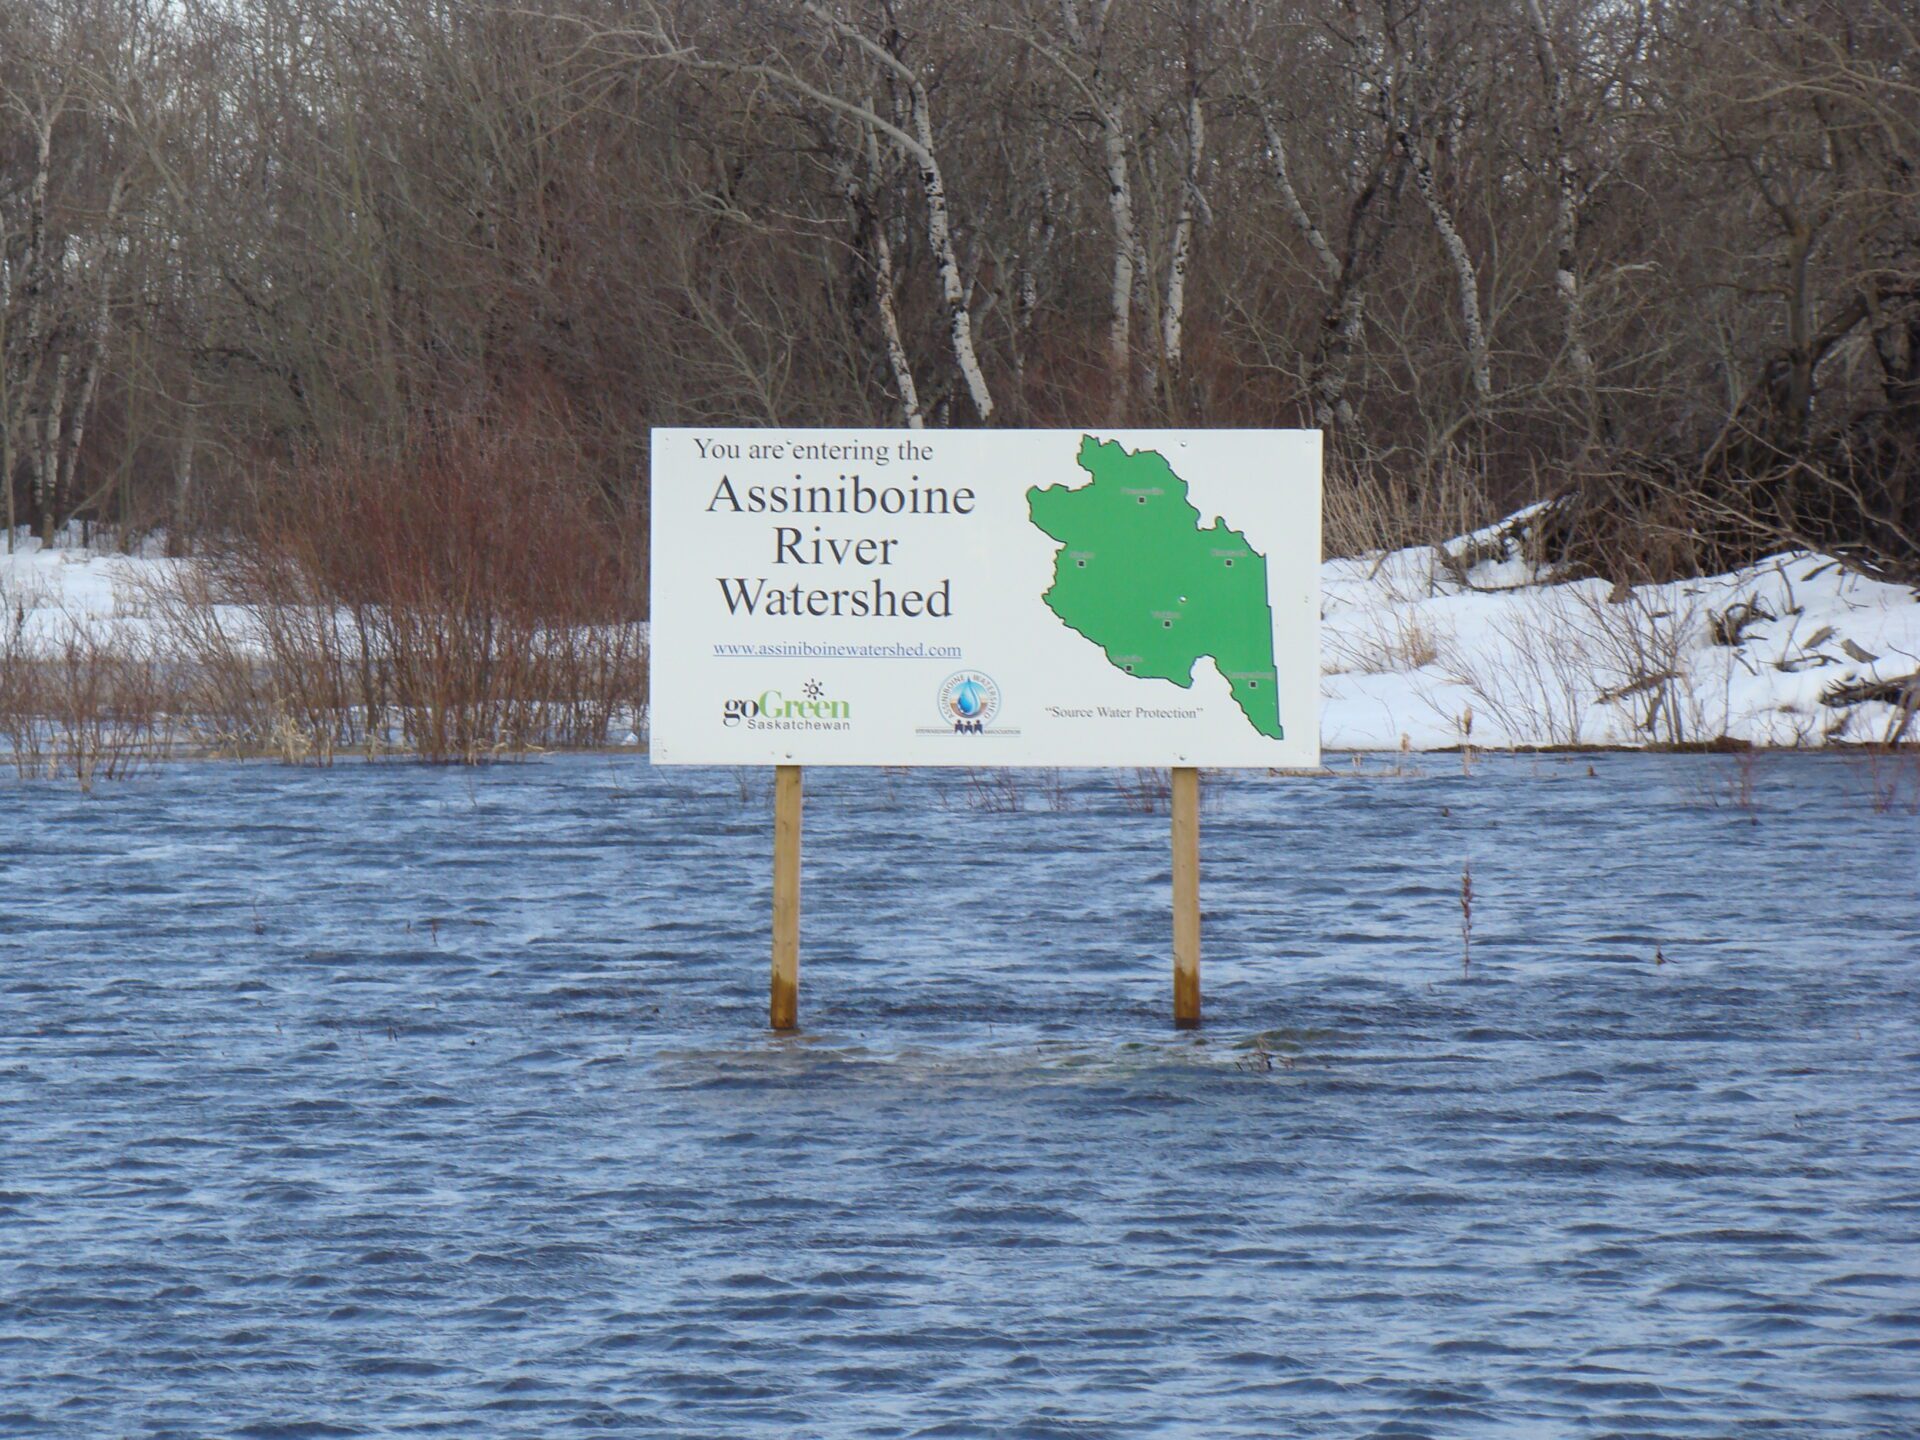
[
  {"x": 1166, "y": 624},
  {"x": 1129, "y": 669},
  {"x": 1253, "y": 684},
  {"x": 1081, "y": 563},
  {"x": 1143, "y": 499}
]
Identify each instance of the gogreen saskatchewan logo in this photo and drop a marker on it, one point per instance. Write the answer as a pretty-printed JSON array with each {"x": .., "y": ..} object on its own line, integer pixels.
[
  {"x": 812, "y": 709},
  {"x": 968, "y": 701}
]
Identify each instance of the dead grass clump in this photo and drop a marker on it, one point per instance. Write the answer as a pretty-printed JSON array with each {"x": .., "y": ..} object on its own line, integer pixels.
[
  {"x": 1643, "y": 649},
  {"x": 1580, "y": 650},
  {"x": 1537, "y": 681}
]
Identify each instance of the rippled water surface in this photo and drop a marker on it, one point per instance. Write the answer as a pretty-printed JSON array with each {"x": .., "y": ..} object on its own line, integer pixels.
[{"x": 396, "y": 1100}]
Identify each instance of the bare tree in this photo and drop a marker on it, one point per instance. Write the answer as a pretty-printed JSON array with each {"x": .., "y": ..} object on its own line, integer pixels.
[
  {"x": 1078, "y": 54},
  {"x": 1192, "y": 201},
  {"x": 1674, "y": 269},
  {"x": 1569, "y": 197},
  {"x": 1410, "y": 82}
]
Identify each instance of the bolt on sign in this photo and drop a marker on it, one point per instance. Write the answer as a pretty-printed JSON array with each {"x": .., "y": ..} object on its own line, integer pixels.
[{"x": 986, "y": 597}]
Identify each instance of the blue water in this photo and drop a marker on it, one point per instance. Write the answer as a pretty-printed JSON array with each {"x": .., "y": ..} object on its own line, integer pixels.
[{"x": 398, "y": 1100}]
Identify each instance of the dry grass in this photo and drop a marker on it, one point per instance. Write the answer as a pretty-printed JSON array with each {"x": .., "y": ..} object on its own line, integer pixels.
[
  {"x": 1368, "y": 507},
  {"x": 1643, "y": 651},
  {"x": 996, "y": 791},
  {"x": 1579, "y": 650},
  {"x": 1893, "y": 778},
  {"x": 1395, "y": 642},
  {"x": 1538, "y": 683}
]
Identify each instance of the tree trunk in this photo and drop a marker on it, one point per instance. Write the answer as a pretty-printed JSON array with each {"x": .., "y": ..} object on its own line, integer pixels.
[
  {"x": 918, "y": 144},
  {"x": 883, "y": 299},
  {"x": 1174, "y": 311},
  {"x": 1566, "y": 227},
  {"x": 183, "y": 475},
  {"x": 1345, "y": 316},
  {"x": 1120, "y": 324},
  {"x": 1466, "y": 280},
  {"x": 940, "y": 240},
  {"x": 46, "y": 491}
]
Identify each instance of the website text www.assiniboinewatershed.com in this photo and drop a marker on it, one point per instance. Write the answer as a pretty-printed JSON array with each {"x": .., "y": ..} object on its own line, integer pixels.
[{"x": 807, "y": 650}]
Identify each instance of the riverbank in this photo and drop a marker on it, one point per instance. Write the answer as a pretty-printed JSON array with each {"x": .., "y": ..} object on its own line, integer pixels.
[
  {"x": 1424, "y": 649},
  {"x": 1467, "y": 644}
]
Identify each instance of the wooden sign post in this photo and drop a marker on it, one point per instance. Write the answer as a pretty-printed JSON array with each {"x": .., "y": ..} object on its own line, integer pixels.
[
  {"x": 1186, "y": 897},
  {"x": 784, "y": 1010}
]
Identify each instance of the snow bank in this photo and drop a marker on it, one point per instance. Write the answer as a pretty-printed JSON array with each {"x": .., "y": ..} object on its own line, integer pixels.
[
  {"x": 1427, "y": 649},
  {"x": 55, "y": 590},
  {"x": 1422, "y": 650}
]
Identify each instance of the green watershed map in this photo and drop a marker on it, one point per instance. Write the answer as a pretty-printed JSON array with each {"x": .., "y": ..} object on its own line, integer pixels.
[{"x": 1138, "y": 577}]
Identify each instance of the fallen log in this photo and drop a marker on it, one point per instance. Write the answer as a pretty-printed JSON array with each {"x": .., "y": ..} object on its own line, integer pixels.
[{"x": 1901, "y": 690}]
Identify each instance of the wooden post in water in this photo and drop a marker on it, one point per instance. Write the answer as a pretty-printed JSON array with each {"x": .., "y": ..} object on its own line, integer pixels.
[
  {"x": 1186, "y": 897},
  {"x": 784, "y": 1011}
]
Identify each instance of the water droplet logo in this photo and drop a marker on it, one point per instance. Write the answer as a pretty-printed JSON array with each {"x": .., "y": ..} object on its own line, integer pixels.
[{"x": 968, "y": 701}]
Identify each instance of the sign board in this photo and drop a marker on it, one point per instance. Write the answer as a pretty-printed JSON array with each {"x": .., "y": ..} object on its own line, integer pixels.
[{"x": 985, "y": 597}]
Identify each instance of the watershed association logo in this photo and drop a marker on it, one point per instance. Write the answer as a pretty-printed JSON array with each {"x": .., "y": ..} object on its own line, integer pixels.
[{"x": 968, "y": 701}]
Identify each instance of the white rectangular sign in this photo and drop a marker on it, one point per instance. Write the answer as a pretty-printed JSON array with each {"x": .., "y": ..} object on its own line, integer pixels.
[{"x": 986, "y": 597}]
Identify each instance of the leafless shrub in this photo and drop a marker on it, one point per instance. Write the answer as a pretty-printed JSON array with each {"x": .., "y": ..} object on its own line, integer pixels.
[
  {"x": 1053, "y": 789},
  {"x": 111, "y": 702},
  {"x": 1893, "y": 778},
  {"x": 19, "y": 721},
  {"x": 751, "y": 784},
  {"x": 262, "y": 667},
  {"x": 1642, "y": 648},
  {"x": 459, "y": 600},
  {"x": 80, "y": 701},
  {"x": 1733, "y": 783},
  {"x": 1537, "y": 681},
  {"x": 890, "y": 778}
]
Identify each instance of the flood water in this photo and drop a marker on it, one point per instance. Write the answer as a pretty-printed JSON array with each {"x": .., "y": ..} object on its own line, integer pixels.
[{"x": 395, "y": 1100}]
